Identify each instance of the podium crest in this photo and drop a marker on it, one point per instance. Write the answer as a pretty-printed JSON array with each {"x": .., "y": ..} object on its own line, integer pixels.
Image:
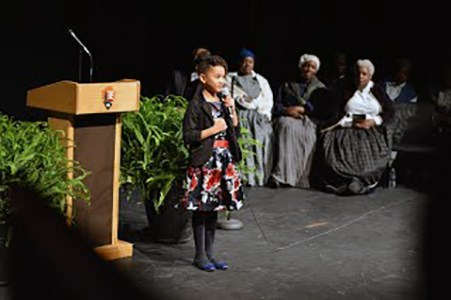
[{"x": 108, "y": 96}]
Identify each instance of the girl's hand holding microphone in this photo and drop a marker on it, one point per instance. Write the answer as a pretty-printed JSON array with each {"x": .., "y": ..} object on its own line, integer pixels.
[{"x": 229, "y": 103}]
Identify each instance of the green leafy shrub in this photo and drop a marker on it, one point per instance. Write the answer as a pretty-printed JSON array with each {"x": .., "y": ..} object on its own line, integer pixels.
[
  {"x": 32, "y": 156},
  {"x": 247, "y": 143},
  {"x": 153, "y": 153}
]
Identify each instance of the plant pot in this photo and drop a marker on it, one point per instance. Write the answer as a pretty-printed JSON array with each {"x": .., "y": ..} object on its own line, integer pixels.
[
  {"x": 3, "y": 255},
  {"x": 169, "y": 225}
]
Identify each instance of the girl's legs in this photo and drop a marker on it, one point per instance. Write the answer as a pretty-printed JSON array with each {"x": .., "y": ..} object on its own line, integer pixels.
[
  {"x": 198, "y": 223},
  {"x": 211, "y": 219}
]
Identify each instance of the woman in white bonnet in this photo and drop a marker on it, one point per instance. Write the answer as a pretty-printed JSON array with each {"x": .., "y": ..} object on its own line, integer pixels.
[
  {"x": 355, "y": 152},
  {"x": 297, "y": 110}
]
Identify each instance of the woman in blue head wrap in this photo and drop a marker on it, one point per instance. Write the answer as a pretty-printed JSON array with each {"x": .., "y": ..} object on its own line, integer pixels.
[{"x": 254, "y": 100}]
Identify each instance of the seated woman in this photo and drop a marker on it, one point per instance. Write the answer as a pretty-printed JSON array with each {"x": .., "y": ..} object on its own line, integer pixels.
[
  {"x": 354, "y": 152},
  {"x": 254, "y": 101},
  {"x": 401, "y": 91},
  {"x": 297, "y": 107}
]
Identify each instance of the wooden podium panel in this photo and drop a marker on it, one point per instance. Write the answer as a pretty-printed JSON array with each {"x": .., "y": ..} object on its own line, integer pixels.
[
  {"x": 90, "y": 116},
  {"x": 94, "y": 140},
  {"x": 85, "y": 98}
]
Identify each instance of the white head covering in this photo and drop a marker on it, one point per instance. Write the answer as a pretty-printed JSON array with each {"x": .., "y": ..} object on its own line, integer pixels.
[
  {"x": 309, "y": 57},
  {"x": 366, "y": 63}
]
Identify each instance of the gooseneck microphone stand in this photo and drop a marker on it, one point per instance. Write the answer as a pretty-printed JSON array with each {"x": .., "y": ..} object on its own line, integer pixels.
[{"x": 80, "y": 58}]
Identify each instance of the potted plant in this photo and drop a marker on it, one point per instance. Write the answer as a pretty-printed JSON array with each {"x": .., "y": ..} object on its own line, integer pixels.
[
  {"x": 32, "y": 156},
  {"x": 153, "y": 162}
]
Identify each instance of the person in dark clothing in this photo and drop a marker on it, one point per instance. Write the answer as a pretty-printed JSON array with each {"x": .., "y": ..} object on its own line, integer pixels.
[
  {"x": 338, "y": 78},
  {"x": 402, "y": 92},
  {"x": 186, "y": 84}
]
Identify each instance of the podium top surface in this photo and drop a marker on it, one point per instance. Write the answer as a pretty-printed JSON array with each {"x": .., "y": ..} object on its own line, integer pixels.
[{"x": 86, "y": 98}]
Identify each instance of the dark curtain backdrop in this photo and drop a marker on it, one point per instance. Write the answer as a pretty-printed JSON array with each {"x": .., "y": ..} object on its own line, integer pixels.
[{"x": 145, "y": 40}]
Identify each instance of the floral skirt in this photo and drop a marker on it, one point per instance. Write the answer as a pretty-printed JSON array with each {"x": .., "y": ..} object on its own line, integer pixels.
[{"x": 214, "y": 186}]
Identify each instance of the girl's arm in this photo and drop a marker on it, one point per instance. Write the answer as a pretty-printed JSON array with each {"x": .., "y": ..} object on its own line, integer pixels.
[
  {"x": 220, "y": 125},
  {"x": 192, "y": 134}
]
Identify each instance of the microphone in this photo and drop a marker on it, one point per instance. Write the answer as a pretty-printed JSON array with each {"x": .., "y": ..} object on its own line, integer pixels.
[
  {"x": 224, "y": 93},
  {"x": 72, "y": 33}
]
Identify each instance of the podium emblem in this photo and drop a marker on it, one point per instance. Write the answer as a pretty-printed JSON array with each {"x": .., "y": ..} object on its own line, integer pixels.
[{"x": 108, "y": 95}]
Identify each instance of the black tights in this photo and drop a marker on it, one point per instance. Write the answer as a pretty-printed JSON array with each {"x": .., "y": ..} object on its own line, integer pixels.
[{"x": 204, "y": 227}]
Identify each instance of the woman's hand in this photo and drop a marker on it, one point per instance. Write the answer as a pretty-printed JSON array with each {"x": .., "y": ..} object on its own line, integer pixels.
[
  {"x": 365, "y": 124},
  {"x": 296, "y": 112}
]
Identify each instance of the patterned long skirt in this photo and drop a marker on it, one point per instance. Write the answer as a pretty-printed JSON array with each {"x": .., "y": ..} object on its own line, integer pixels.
[
  {"x": 353, "y": 154},
  {"x": 403, "y": 113},
  {"x": 214, "y": 186},
  {"x": 296, "y": 140},
  {"x": 259, "y": 164}
]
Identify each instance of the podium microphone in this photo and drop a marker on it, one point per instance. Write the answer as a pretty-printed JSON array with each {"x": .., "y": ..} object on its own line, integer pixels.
[{"x": 72, "y": 33}]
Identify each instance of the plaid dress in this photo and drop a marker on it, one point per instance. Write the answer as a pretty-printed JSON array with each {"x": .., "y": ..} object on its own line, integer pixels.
[
  {"x": 353, "y": 159},
  {"x": 349, "y": 154},
  {"x": 217, "y": 184},
  {"x": 403, "y": 113}
]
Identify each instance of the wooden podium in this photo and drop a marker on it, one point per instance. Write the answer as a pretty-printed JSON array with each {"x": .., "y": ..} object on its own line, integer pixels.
[{"x": 90, "y": 116}]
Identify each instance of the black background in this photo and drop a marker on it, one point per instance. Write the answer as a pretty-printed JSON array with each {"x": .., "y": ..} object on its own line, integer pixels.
[{"x": 145, "y": 40}]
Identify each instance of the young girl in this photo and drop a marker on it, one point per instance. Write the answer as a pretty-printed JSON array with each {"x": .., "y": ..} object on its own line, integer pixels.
[{"x": 213, "y": 183}]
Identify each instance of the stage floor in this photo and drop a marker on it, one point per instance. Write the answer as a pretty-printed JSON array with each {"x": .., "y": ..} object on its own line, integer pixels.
[{"x": 295, "y": 244}]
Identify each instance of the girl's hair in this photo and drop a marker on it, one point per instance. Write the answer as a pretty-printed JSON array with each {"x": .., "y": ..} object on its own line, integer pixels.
[
  {"x": 199, "y": 53},
  {"x": 211, "y": 61}
]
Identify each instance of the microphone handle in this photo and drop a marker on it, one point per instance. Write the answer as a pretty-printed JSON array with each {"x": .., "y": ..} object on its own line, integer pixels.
[
  {"x": 228, "y": 108},
  {"x": 230, "y": 111}
]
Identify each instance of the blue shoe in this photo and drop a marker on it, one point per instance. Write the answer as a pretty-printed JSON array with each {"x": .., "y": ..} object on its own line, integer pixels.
[
  {"x": 221, "y": 265},
  {"x": 209, "y": 267}
]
